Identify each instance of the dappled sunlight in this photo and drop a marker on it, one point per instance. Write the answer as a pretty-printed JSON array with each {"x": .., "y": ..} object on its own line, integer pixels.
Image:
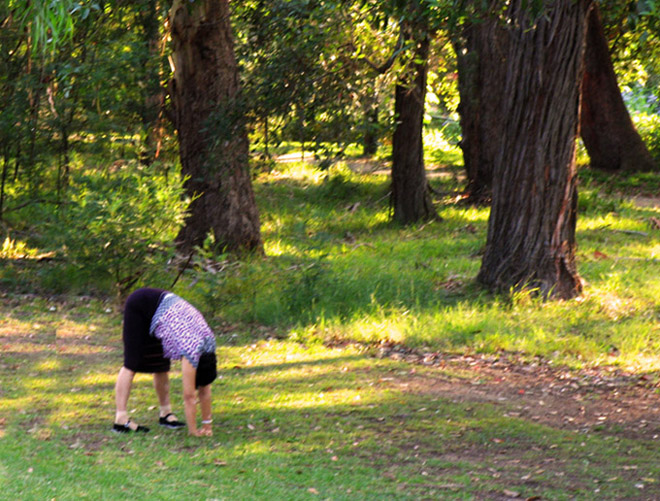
[
  {"x": 300, "y": 171},
  {"x": 269, "y": 352},
  {"x": 654, "y": 251},
  {"x": 50, "y": 364},
  {"x": 300, "y": 400},
  {"x": 17, "y": 249},
  {"x": 466, "y": 214},
  {"x": 255, "y": 447},
  {"x": 277, "y": 247},
  {"x": 599, "y": 221},
  {"x": 379, "y": 329},
  {"x": 642, "y": 363},
  {"x": 70, "y": 329},
  {"x": 285, "y": 375},
  {"x": 11, "y": 327},
  {"x": 98, "y": 379},
  {"x": 613, "y": 305},
  {"x": 40, "y": 383},
  {"x": 27, "y": 347},
  {"x": 82, "y": 349}
]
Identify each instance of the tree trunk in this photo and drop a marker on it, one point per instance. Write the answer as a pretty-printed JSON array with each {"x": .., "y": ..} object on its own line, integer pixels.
[
  {"x": 369, "y": 102},
  {"x": 213, "y": 143},
  {"x": 480, "y": 51},
  {"x": 531, "y": 230},
  {"x": 3, "y": 180},
  {"x": 606, "y": 128},
  {"x": 410, "y": 199},
  {"x": 152, "y": 91}
]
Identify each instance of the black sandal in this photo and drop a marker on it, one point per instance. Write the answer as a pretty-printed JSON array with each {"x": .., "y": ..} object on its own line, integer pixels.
[
  {"x": 125, "y": 428},
  {"x": 172, "y": 425}
]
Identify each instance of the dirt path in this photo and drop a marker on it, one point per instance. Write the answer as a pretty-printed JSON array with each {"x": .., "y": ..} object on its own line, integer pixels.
[{"x": 603, "y": 398}]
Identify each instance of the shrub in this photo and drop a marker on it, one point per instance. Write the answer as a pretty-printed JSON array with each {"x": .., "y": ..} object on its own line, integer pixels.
[
  {"x": 120, "y": 225},
  {"x": 648, "y": 127}
]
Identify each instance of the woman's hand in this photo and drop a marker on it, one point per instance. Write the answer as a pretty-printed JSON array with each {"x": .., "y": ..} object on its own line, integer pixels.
[{"x": 204, "y": 431}]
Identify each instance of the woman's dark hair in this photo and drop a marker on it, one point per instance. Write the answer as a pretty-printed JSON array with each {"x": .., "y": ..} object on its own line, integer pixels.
[{"x": 207, "y": 370}]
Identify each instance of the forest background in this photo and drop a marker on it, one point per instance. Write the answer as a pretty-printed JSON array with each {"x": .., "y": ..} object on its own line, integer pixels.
[{"x": 324, "y": 181}]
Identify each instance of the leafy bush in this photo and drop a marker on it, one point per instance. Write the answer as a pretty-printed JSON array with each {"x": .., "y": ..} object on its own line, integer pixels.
[
  {"x": 590, "y": 201},
  {"x": 121, "y": 225},
  {"x": 648, "y": 126}
]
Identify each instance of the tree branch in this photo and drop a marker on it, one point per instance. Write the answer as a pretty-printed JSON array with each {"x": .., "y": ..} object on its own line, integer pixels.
[{"x": 382, "y": 68}]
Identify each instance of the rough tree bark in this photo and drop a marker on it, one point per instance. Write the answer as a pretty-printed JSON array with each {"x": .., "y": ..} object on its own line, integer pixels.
[
  {"x": 213, "y": 143},
  {"x": 606, "y": 128},
  {"x": 411, "y": 199},
  {"x": 531, "y": 230},
  {"x": 480, "y": 50}
]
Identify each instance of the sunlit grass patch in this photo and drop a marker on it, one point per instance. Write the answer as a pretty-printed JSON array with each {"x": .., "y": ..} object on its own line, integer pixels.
[
  {"x": 16, "y": 249},
  {"x": 292, "y": 420},
  {"x": 338, "y": 269},
  {"x": 25, "y": 347},
  {"x": 75, "y": 329}
]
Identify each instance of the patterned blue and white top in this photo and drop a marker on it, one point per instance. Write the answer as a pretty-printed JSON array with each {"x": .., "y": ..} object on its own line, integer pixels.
[{"x": 181, "y": 329}]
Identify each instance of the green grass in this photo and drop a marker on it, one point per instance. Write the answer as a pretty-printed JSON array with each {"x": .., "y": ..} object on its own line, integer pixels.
[
  {"x": 302, "y": 409},
  {"x": 336, "y": 268},
  {"x": 292, "y": 421}
]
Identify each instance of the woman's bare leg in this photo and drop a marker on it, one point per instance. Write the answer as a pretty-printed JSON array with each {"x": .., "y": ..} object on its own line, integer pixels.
[
  {"x": 162, "y": 386},
  {"x": 122, "y": 392}
]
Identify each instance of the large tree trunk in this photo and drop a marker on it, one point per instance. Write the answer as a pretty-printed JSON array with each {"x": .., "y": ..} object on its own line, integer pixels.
[
  {"x": 607, "y": 130},
  {"x": 213, "y": 143},
  {"x": 480, "y": 51},
  {"x": 531, "y": 230},
  {"x": 411, "y": 199}
]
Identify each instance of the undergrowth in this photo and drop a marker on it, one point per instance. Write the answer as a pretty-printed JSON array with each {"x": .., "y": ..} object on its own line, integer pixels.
[{"x": 336, "y": 268}]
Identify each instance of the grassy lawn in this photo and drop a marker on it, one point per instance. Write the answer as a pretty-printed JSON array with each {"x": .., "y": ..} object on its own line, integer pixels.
[
  {"x": 297, "y": 421},
  {"x": 358, "y": 360}
]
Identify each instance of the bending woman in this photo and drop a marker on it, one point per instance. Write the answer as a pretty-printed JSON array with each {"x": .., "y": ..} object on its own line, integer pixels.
[{"x": 159, "y": 327}]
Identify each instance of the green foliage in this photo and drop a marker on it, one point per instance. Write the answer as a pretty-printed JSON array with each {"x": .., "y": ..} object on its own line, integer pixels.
[
  {"x": 591, "y": 201},
  {"x": 13, "y": 249},
  {"x": 49, "y": 22},
  {"x": 648, "y": 126},
  {"x": 304, "y": 78},
  {"x": 120, "y": 225}
]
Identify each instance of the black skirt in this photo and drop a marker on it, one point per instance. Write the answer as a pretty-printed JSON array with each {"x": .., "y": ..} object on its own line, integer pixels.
[{"x": 142, "y": 352}]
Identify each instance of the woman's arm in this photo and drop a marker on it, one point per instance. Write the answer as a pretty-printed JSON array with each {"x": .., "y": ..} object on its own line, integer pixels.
[
  {"x": 189, "y": 395},
  {"x": 204, "y": 393}
]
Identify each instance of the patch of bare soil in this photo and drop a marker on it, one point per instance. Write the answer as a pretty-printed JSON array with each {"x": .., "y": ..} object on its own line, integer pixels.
[
  {"x": 646, "y": 202},
  {"x": 604, "y": 399}
]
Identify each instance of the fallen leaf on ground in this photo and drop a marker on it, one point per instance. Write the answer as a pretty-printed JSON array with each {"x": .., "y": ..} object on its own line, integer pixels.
[{"x": 600, "y": 255}]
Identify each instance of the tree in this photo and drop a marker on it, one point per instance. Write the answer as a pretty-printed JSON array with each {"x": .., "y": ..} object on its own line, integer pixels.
[
  {"x": 480, "y": 47},
  {"x": 330, "y": 59},
  {"x": 309, "y": 50},
  {"x": 30, "y": 32},
  {"x": 149, "y": 16},
  {"x": 605, "y": 125},
  {"x": 411, "y": 198},
  {"x": 531, "y": 230},
  {"x": 213, "y": 142}
]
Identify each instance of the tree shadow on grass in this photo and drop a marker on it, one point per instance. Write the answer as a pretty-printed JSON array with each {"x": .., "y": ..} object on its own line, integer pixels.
[{"x": 374, "y": 426}]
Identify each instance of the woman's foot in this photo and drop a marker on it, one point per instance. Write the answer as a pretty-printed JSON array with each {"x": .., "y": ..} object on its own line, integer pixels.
[
  {"x": 170, "y": 421},
  {"x": 129, "y": 427}
]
